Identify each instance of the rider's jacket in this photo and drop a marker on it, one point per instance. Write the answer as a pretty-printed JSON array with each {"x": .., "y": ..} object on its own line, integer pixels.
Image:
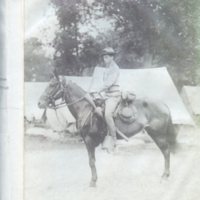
[{"x": 111, "y": 80}]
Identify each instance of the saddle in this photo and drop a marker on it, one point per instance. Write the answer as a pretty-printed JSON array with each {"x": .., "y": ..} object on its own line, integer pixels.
[{"x": 126, "y": 109}]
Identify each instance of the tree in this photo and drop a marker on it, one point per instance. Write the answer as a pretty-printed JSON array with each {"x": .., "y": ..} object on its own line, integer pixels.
[
  {"x": 156, "y": 32},
  {"x": 144, "y": 33},
  {"x": 37, "y": 66},
  {"x": 67, "y": 43}
]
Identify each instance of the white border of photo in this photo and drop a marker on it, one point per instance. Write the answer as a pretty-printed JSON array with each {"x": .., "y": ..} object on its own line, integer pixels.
[{"x": 12, "y": 134}]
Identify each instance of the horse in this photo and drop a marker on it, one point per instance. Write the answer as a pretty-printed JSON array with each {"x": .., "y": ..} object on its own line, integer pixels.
[{"x": 151, "y": 116}]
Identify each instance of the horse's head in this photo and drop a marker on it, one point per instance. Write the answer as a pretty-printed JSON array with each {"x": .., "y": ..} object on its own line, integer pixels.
[{"x": 51, "y": 94}]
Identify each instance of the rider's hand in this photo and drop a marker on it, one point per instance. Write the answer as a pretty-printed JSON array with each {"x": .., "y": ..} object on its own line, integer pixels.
[{"x": 98, "y": 111}]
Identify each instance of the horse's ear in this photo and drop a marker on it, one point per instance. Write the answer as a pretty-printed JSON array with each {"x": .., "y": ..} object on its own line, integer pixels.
[
  {"x": 55, "y": 73},
  {"x": 145, "y": 104},
  {"x": 63, "y": 81}
]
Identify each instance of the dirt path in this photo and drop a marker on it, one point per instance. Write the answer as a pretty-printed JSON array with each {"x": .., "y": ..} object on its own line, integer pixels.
[{"x": 60, "y": 172}]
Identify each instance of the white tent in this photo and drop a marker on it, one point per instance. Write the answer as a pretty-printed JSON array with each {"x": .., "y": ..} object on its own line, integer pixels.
[
  {"x": 59, "y": 119},
  {"x": 154, "y": 83},
  {"x": 191, "y": 97},
  {"x": 151, "y": 83}
]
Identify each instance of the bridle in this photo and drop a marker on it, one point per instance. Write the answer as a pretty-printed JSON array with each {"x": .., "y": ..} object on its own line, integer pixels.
[
  {"x": 64, "y": 90},
  {"x": 63, "y": 103}
]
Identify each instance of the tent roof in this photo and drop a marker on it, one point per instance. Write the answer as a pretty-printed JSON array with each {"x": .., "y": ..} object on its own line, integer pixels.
[
  {"x": 150, "y": 83},
  {"x": 154, "y": 83},
  {"x": 33, "y": 91},
  {"x": 191, "y": 96}
]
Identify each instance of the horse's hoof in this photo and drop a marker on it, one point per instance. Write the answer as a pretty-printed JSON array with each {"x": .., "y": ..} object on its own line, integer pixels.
[
  {"x": 165, "y": 176},
  {"x": 92, "y": 184}
]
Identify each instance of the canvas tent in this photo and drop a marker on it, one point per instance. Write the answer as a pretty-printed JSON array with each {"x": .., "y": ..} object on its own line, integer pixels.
[
  {"x": 59, "y": 119},
  {"x": 191, "y": 97},
  {"x": 150, "y": 83}
]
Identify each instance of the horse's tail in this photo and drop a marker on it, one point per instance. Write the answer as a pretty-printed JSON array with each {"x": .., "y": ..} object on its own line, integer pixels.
[{"x": 172, "y": 136}]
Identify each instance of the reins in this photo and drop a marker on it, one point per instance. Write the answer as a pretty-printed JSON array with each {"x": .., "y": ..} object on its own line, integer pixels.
[{"x": 63, "y": 104}]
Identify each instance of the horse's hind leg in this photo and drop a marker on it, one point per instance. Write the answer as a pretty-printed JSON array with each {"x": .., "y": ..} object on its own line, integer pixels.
[
  {"x": 91, "y": 153},
  {"x": 161, "y": 140}
]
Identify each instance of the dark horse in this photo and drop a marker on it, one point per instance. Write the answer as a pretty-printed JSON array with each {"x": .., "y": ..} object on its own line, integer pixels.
[{"x": 153, "y": 117}]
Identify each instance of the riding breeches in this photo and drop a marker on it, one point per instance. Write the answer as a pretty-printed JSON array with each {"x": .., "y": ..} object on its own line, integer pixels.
[{"x": 110, "y": 106}]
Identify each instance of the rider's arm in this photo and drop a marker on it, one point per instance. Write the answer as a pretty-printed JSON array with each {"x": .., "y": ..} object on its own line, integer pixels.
[
  {"x": 97, "y": 110},
  {"x": 90, "y": 100}
]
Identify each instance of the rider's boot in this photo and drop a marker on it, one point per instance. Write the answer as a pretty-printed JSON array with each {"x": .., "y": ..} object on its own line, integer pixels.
[
  {"x": 113, "y": 144},
  {"x": 107, "y": 143},
  {"x": 110, "y": 143}
]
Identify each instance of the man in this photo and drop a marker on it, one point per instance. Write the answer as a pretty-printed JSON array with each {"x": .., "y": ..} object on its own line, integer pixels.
[{"x": 112, "y": 93}]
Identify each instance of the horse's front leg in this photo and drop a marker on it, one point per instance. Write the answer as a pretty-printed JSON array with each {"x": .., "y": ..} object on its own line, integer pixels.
[{"x": 91, "y": 153}]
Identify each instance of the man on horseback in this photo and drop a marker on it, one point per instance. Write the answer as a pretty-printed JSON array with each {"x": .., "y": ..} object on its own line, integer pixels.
[
  {"x": 111, "y": 92},
  {"x": 112, "y": 95}
]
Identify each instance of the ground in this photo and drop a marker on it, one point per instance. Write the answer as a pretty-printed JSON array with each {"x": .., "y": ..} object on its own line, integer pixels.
[{"x": 56, "y": 170}]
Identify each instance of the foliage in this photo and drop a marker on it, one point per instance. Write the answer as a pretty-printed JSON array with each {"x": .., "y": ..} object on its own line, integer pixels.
[
  {"x": 37, "y": 66},
  {"x": 145, "y": 34},
  {"x": 68, "y": 42},
  {"x": 157, "y": 32}
]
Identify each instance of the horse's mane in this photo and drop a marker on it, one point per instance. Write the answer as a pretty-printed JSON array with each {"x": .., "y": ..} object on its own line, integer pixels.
[
  {"x": 76, "y": 89},
  {"x": 81, "y": 109}
]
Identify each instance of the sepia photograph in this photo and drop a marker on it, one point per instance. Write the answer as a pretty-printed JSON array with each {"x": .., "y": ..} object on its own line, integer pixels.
[{"x": 111, "y": 99}]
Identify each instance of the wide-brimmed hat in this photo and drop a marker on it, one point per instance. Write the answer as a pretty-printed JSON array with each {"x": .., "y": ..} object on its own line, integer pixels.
[{"x": 108, "y": 51}]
